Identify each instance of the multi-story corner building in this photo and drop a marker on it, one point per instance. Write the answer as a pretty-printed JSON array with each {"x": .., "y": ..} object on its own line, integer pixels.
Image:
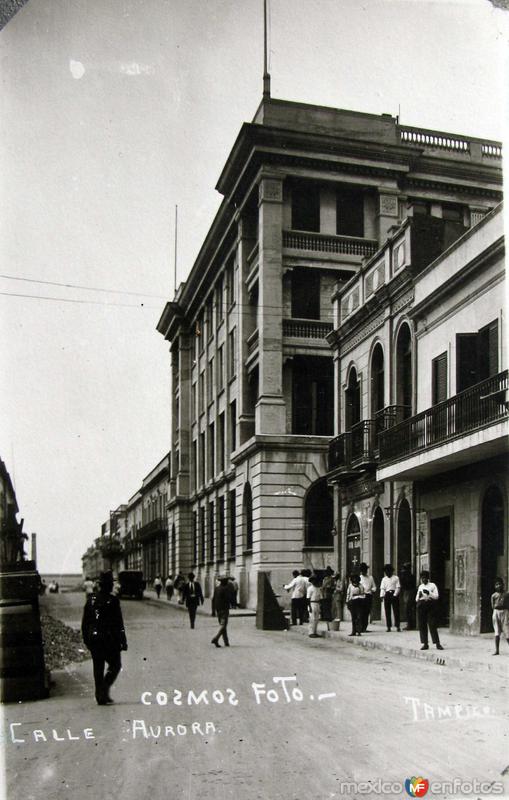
[
  {"x": 308, "y": 194},
  {"x": 146, "y": 536},
  {"x": 420, "y": 466}
]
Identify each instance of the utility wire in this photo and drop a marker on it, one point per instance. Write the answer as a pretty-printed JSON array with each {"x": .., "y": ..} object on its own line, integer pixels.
[
  {"x": 78, "y": 286},
  {"x": 74, "y": 300}
]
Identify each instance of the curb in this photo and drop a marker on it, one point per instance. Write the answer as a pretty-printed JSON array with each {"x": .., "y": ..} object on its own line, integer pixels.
[{"x": 441, "y": 658}]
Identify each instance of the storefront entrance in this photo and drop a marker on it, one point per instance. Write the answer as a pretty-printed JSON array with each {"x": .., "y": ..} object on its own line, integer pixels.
[
  {"x": 492, "y": 551},
  {"x": 440, "y": 564}
]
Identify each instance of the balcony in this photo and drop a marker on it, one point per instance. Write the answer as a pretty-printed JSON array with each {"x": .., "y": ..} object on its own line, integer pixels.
[
  {"x": 328, "y": 244},
  {"x": 153, "y": 528},
  {"x": 455, "y": 420},
  {"x": 306, "y": 328},
  {"x": 357, "y": 449}
]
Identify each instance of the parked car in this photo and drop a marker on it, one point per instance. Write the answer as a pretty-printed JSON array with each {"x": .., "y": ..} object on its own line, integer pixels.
[{"x": 132, "y": 583}]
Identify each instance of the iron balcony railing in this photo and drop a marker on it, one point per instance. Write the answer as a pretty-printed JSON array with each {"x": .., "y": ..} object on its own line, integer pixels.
[
  {"x": 358, "y": 447},
  {"x": 306, "y": 328},
  {"x": 155, "y": 526},
  {"x": 326, "y": 243},
  {"x": 474, "y": 408}
]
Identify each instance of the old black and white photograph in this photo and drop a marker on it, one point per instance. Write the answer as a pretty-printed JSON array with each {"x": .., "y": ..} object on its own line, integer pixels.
[{"x": 255, "y": 399}]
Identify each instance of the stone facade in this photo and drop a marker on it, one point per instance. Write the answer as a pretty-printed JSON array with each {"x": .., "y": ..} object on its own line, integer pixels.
[{"x": 309, "y": 194}]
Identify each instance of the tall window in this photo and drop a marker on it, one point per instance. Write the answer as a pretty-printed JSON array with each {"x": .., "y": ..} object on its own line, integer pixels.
[
  {"x": 349, "y": 212},
  {"x": 220, "y": 368},
  {"x": 211, "y": 453},
  {"x": 404, "y": 380},
  {"x": 194, "y": 464},
  {"x": 193, "y": 402},
  {"x": 476, "y": 356},
  {"x": 230, "y": 284},
  {"x": 312, "y": 396},
  {"x": 202, "y": 459},
  {"x": 195, "y": 540},
  {"x": 210, "y": 381},
  {"x": 219, "y": 301},
  {"x": 377, "y": 380},
  {"x": 221, "y": 528},
  {"x": 352, "y": 400},
  {"x": 305, "y": 294},
  {"x": 232, "y": 360},
  {"x": 233, "y": 426},
  {"x": 211, "y": 547},
  {"x": 201, "y": 393},
  {"x": 319, "y": 516},
  {"x": 209, "y": 317},
  {"x": 305, "y": 206},
  {"x": 232, "y": 527},
  {"x": 202, "y": 535},
  {"x": 220, "y": 442},
  {"x": 247, "y": 506},
  {"x": 439, "y": 378}
]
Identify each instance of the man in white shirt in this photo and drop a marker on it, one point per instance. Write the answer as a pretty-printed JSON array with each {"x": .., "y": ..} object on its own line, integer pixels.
[
  {"x": 389, "y": 592},
  {"x": 314, "y": 596},
  {"x": 298, "y": 587},
  {"x": 426, "y": 600},
  {"x": 369, "y": 586}
]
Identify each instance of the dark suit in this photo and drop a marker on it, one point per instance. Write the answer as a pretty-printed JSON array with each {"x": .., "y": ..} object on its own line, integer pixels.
[
  {"x": 103, "y": 632},
  {"x": 193, "y": 596},
  {"x": 222, "y": 600}
]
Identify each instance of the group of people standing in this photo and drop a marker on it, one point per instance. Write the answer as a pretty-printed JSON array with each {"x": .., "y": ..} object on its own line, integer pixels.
[{"x": 313, "y": 599}]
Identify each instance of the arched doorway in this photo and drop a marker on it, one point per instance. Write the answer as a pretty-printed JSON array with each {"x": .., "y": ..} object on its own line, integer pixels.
[
  {"x": 352, "y": 400},
  {"x": 404, "y": 371},
  {"x": 353, "y": 545},
  {"x": 378, "y": 559},
  {"x": 404, "y": 534},
  {"x": 492, "y": 550},
  {"x": 318, "y": 516}
]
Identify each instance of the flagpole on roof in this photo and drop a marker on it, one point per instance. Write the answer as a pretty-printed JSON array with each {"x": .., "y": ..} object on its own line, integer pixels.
[
  {"x": 266, "y": 76},
  {"x": 175, "y": 255}
]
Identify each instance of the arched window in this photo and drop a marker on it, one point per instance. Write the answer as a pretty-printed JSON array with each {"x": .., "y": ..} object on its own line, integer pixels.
[
  {"x": 247, "y": 505},
  {"x": 352, "y": 400},
  {"x": 318, "y": 515},
  {"x": 377, "y": 380},
  {"x": 404, "y": 370}
]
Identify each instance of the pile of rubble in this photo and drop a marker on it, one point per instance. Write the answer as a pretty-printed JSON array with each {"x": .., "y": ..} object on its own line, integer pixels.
[{"x": 62, "y": 644}]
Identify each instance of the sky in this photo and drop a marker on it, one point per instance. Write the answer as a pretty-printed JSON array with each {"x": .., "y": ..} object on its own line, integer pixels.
[{"x": 112, "y": 112}]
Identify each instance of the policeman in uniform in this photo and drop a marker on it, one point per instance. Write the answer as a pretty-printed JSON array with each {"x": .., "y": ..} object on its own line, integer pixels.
[{"x": 103, "y": 632}]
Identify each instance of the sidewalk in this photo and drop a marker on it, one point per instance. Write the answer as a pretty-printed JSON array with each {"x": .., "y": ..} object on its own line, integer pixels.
[{"x": 465, "y": 652}]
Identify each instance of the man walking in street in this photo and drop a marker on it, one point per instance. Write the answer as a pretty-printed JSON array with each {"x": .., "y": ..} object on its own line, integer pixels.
[
  {"x": 192, "y": 596},
  {"x": 104, "y": 634},
  {"x": 369, "y": 586},
  {"x": 298, "y": 587},
  {"x": 221, "y": 602}
]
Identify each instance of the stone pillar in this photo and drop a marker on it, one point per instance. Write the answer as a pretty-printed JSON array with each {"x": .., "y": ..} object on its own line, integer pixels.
[
  {"x": 270, "y": 408},
  {"x": 246, "y": 326},
  {"x": 183, "y": 421},
  {"x": 387, "y": 212}
]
